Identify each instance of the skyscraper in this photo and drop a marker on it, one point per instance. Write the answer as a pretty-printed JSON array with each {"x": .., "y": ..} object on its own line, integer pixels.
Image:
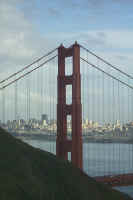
[{"x": 44, "y": 117}]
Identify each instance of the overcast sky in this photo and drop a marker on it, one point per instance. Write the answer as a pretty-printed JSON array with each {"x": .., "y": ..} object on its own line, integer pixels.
[{"x": 29, "y": 29}]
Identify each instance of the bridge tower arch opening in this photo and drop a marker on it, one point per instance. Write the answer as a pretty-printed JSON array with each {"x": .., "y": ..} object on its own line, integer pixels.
[{"x": 63, "y": 144}]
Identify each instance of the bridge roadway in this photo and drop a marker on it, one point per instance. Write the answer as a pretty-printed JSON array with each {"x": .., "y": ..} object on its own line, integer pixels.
[{"x": 116, "y": 180}]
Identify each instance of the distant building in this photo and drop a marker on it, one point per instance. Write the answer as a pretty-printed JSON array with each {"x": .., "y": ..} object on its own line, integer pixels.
[
  {"x": 44, "y": 123},
  {"x": 44, "y": 117}
]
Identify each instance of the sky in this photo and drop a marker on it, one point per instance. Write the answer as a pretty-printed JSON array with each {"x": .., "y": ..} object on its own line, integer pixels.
[{"x": 29, "y": 29}]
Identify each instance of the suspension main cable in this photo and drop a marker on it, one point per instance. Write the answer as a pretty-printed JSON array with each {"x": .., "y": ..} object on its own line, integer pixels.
[
  {"x": 113, "y": 77},
  {"x": 37, "y": 60},
  {"x": 22, "y": 76},
  {"x": 106, "y": 62}
]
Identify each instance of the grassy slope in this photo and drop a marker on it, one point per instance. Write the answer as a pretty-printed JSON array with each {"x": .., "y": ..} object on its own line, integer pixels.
[{"x": 28, "y": 173}]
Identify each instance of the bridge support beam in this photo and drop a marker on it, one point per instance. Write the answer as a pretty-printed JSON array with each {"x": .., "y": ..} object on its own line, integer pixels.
[{"x": 63, "y": 144}]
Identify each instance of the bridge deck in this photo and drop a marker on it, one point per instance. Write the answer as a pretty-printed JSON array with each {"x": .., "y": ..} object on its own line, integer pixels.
[{"x": 116, "y": 180}]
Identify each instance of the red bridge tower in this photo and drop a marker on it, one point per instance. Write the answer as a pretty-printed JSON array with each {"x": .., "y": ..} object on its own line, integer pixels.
[{"x": 63, "y": 145}]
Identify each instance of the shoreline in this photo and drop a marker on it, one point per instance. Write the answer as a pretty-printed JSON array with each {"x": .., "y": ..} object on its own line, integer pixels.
[{"x": 86, "y": 139}]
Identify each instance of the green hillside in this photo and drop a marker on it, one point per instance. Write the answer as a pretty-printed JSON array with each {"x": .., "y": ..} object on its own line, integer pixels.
[{"x": 27, "y": 173}]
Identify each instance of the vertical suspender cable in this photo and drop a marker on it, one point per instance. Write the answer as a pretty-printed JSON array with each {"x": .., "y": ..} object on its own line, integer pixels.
[
  {"x": 132, "y": 121},
  {"x": 113, "y": 104},
  {"x": 45, "y": 101},
  {"x": 128, "y": 103},
  {"x": 119, "y": 160},
  {"x": 88, "y": 150},
  {"x": 82, "y": 97},
  {"x": 38, "y": 93},
  {"x": 122, "y": 116},
  {"x": 122, "y": 107},
  {"x": 3, "y": 105},
  {"x": 26, "y": 97},
  {"x": 52, "y": 106},
  {"x": 93, "y": 96},
  {"x": 119, "y": 102},
  {"x": 130, "y": 118},
  {"x": 128, "y": 123},
  {"x": 108, "y": 116},
  {"x": 16, "y": 101},
  {"x": 97, "y": 95},
  {"x": 97, "y": 101},
  {"x": 103, "y": 100},
  {"x": 49, "y": 83},
  {"x": 29, "y": 96},
  {"x": 86, "y": 146},
  {"x": 113, "y": 109},
  {"x": 86, "y": 114},
  {"x": 86, "y": 98},
  {"x": 54, "y": 97},
  {"x": 104, "y": 164},
  {"x": 25, "y": 101},
  {"x": 41, "y": 96},
  {"x": 94, "y": 117}
]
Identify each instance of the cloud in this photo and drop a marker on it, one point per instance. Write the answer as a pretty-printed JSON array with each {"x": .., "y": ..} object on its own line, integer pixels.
[
  {"x": 120, "y": 39},
  {"x": 95, "y": 3},
  {"x": 54, "y": 12},
  {"x": 20, "y": 40},
  {"x": 14, "y": 31}
]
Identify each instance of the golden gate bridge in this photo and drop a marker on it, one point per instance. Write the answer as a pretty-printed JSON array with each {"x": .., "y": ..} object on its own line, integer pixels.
[{"x": 86, "y": 99}]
